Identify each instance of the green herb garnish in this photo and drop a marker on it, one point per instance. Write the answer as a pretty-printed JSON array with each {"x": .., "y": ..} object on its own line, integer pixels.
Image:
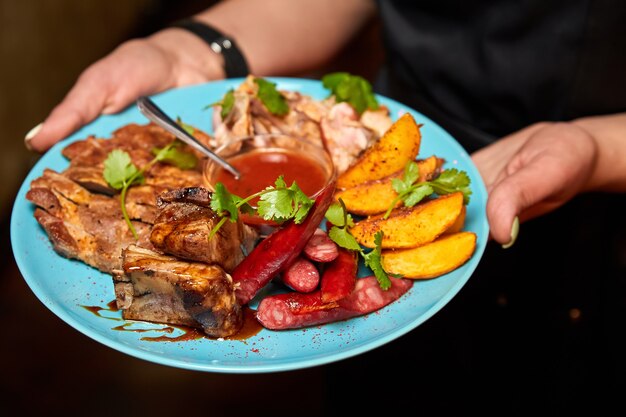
[
  {"x": 341, "y": 221},
  {"x": 227, "y": 103},
  {"x": 373, "y": 260},
  {"x": 173, "y": 155},
  {"x": 188, "y": 128},
  {"x": 353, "y": 89},
  {"x": 277, "y": 203},
  {"x": 339, "y": 233},
  {"x": 120, "y": 173},
  {"x": 281, "y": 203},
  {"x": 411, "y": 193},
  {"x": 271, "y": 97},
  {"x": 119, "y": 170}
]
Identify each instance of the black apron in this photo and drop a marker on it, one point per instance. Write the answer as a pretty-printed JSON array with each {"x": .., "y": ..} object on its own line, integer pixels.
[{"x": 486, "y": 68}]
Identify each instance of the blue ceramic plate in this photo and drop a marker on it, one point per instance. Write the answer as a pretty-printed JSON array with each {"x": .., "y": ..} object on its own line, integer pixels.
[{"x": 65, "y": 286}]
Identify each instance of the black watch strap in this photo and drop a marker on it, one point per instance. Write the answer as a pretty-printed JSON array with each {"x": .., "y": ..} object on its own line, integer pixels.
[{"x": 235, "y": 64}]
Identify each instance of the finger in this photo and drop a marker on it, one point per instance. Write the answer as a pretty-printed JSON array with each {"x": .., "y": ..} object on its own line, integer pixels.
[
  {"x": 81, "y": 105},
  {"x": 524, "y": 193}
]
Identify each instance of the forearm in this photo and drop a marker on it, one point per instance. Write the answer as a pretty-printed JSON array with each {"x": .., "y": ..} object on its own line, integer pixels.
[
  {"x": 289, "y": 36},
  {"x": 609, "y": 133}
]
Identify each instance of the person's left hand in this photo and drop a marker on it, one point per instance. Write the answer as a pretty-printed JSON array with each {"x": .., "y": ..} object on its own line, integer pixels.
[{"x": 534, "y": 171}]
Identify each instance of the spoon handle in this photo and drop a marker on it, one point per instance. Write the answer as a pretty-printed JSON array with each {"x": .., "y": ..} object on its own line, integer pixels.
[{"x": 158, "y": 116}]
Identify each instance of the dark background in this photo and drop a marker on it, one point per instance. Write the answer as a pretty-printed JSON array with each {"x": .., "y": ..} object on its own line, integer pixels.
[{"x": 539, "y": 328}]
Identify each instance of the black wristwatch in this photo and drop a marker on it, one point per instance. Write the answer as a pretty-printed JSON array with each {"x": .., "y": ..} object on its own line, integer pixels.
[{"x": 235, "y": 64}]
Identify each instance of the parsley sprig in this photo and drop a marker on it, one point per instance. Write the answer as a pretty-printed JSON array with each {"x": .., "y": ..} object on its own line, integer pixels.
[
  {"x": 227, "y": 104},
  {"x": 338, "y": 216},
  {"x": 267, "y": 92},
  {"x": 271, "y": 97},
  {"x": 277, "y": 203},
  {"x": 355, "y": 90},
  {"x": 411, "y": 193},
  {"x": 121, "y": 173}
]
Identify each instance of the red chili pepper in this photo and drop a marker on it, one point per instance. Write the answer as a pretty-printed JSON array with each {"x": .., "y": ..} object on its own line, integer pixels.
[
  {"x": 279, "y": 250},
  {"x": 340, "y": 276}
]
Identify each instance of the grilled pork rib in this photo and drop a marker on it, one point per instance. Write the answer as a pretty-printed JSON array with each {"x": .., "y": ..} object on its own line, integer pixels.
[
  {"x": 80, "y": 212},
  {"x": 164, "y": 289},
  {"x": 82, "y": 225},
  {"x": 184, "y": 223}
]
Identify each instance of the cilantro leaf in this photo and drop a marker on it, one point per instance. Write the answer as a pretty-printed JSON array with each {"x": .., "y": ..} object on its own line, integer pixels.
[
  {"x": 243, "y": 206},
  {"x": 173, "y": 155},
  {"x": 452, "y": 180},
  {"x": 120, "y": 173},
  {"x": 281, "y": 203},
  {"x": 373, "y": 260},
  {"x": 339, "y": 233},
  {"x": 119, "y": 169},
  {"x": 271, "y": 97},
  {"x": 343, "y": 238},
  {"x": 449, "y": 181},
  {"x": 337, "y": 215},
  {"x": 334, "y": 214},
  {"x": 279, "y": 183},
  {"x": 188, "y": 128},
  {"x": 227, "y": 103},
  {"x": 223, "y": 202},
  {"x": 410, "y": 175},
  {"x": 353, "y": 89},
  {"x": 278, "y": 203},
  {"x": 302, "y": 203},
  {"x": 417, "y": 194}
]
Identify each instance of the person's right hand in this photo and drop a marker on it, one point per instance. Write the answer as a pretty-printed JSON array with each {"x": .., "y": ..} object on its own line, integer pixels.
[{"x": 137, "y": 67}]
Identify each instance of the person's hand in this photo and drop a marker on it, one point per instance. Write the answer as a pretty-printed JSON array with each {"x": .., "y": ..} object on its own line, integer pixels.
[
  {"x": 532, "y": 172},
  {"x": 135, "y": 68}
]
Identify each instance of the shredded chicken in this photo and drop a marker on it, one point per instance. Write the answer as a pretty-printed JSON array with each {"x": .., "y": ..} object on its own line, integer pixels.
[{"x": 336, "y": 126}]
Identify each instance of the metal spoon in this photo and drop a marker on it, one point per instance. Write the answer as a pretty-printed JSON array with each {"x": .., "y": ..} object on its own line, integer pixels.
[{"x": 158, "y": 116}]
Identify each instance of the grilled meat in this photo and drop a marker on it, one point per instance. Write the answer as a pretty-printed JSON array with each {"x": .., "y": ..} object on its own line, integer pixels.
[
  {"x": 80, "y": 212},
  {"x": 345, "y": 135},
  {"x": 87, "y": 158},
  {"x": 184, "y": 223},
  {"x": 337, "y": 126},
  {"x": 164, "y": 289},
  {"x": 82, "y": 225}
]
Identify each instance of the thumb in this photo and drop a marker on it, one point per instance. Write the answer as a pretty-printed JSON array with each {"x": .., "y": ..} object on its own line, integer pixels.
[
  {"x": 528, "y": 192},
  {"x": 544, "y": 174}
]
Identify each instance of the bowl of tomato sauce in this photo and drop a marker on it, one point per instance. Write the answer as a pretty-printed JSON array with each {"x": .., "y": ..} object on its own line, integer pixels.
[{"x": 261, "y": 159}]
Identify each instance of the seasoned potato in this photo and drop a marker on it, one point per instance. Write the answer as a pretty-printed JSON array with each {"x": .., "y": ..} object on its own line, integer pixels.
[
  {"x": 401, "y": 143},
  {"x": 433, "y": 259},
  {"x": 409, "y": 227},
  {"x": 376, "y": 196},
  {"x": 459, "y": 223}
]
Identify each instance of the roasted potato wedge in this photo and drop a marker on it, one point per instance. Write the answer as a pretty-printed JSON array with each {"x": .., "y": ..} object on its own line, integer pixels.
[
  {"x": 439, "y": 257},
  {"x": 459, "y": 223},
  {"x": 376, "y": 196},
  {"x": 409, "y": 227},
  {"x": 399, "y": 144}
]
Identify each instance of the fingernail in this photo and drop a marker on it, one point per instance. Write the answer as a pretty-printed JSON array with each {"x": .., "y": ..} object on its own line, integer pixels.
[
  {"x": 514, "y": 233},
  {"x": 31, "y": 134}
]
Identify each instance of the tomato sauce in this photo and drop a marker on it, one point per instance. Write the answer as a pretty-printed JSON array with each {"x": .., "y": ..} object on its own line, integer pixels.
[{"x": 260, "y": 170}]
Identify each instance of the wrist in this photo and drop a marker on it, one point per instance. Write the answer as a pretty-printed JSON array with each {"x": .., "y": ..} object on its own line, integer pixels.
[
  {"x": 193, "y": 61},
  {"x": 610, "y": 168}
]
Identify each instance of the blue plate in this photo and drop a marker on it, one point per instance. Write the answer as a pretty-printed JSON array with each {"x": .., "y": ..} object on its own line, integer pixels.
[{"x": 65, "y": 286}]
